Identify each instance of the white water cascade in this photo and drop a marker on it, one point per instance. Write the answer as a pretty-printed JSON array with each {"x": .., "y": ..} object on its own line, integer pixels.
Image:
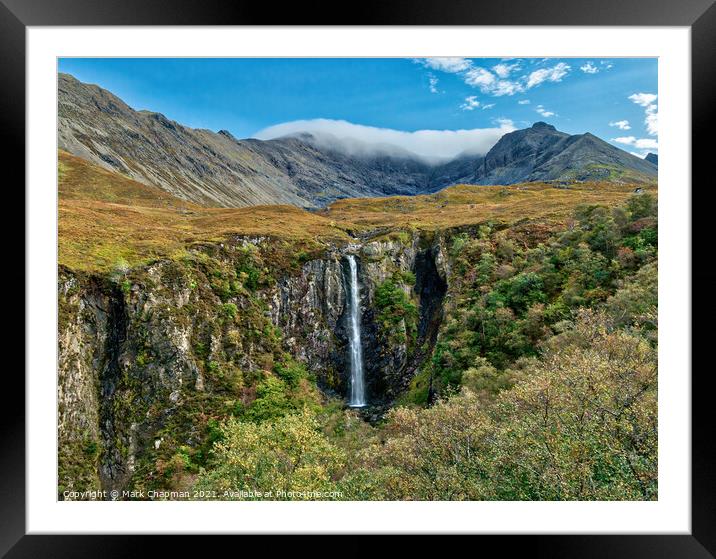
[{"x": 357, "y": 389}]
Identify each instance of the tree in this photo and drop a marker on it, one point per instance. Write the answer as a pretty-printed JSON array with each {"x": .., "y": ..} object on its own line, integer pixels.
[
  {"x": 580, "y": 425},
  {"x": 288, "y": 457},
  {"x": 584, "y": 424}
]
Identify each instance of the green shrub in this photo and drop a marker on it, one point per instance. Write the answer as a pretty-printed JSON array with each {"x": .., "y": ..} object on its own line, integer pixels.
[
  {"x": 271, "y": 400},
  {"x": 229, "y": 310},
  {"x": 291, "y": 372},
  {"x": 289, "y": 457},
  {"x": 394, "y": 308}
]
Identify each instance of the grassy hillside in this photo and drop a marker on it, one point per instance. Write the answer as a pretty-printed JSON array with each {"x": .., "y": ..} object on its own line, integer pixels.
[
  {"x": 106, "y": 218},
  {"x": 78, "y": 179},
  {"x": 465, "y": 205}
]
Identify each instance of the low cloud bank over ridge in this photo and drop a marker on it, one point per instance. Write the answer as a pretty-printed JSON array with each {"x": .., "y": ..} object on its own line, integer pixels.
[{"x": 356, "y": 139}]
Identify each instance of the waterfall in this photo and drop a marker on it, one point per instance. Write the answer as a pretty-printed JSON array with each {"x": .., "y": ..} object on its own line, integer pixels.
[{"x": 357, "y": 389}]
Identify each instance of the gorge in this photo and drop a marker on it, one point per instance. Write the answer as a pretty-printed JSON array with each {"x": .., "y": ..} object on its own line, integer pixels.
[
  {"x": 144, "y": 351},
  {"x": 174, "y": 318}
]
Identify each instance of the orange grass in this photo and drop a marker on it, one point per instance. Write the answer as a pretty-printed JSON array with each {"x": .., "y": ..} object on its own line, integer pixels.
[{"x": 106, "y": 218}]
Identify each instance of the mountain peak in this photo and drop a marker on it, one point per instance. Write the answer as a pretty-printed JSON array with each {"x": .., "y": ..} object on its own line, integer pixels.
[
  {"x": 542, "y": 126},
  {"x": 307, "y": 169},
  {"x": 227, "y": 134}
]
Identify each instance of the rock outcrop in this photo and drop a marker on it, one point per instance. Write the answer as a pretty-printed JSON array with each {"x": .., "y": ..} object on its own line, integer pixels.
[{"x": 310, "y": 310}]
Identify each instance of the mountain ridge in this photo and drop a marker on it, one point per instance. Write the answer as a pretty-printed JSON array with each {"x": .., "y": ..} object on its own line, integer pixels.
[
  {"x": 652, "y": 158},
  {"x": 217, "y": 169}
]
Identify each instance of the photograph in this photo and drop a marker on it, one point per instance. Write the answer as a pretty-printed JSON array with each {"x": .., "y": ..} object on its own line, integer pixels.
[
  {"x": 357, "y": 279},
  {"x": 397, "y": 271}
]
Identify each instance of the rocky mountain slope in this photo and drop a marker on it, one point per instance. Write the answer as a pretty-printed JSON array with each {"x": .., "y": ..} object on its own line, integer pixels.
[
  {"x": 542, "y": 153},
  {"x": 216, "y": 169}
]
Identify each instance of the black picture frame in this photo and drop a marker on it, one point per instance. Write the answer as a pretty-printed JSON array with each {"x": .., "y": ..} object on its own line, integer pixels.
[{"x": 699, "y": 15}]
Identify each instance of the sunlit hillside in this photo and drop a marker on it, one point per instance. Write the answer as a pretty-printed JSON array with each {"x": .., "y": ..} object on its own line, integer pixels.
[{"x": 105, "y": 217}]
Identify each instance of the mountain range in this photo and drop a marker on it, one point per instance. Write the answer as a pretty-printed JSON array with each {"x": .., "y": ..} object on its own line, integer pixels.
[{"x": 217, "y": 169}]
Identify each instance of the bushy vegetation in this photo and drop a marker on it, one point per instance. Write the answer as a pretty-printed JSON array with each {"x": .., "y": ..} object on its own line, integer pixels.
[
  {"x": 397, "y": 314},
  {"x": 545, "y": 367},
  {"x": 579, "y": 424},
  {"x": 548, "y": 365},
  {"x": 289, "y": 391},
  {"x": 510, "y": 297},
  {"x": 288, "y": 457}
]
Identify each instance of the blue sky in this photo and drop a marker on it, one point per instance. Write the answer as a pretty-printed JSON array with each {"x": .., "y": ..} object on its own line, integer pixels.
[{"x": 615, "y": 99}]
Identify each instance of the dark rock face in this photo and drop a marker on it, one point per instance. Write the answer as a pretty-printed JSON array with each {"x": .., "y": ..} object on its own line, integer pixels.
[
  {"x": 652, "y": 158},
  {"x": 391, "y": 366},
  {"x": 112, "y": 472},
  {"x": 83, "y": 354},
  {"x": 542, "y": 153},
  {"x": 518, "y": 153},
  {"x": 216, "y": 169},
  {"x": 312, "y": 313},
  {"x": 430, "y": 287}
]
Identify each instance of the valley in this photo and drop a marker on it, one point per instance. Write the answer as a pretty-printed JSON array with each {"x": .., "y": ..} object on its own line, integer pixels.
[{"x": 188, "y": 335}]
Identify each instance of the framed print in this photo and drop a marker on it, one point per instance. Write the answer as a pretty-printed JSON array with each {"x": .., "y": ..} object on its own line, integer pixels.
[{"x": 395, "y": 275}]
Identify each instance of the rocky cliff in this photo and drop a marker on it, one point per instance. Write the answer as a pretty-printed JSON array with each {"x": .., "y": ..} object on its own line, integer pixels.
[
  {"x": 148, "y": 356},
  {"x": 215, "y": 168}
]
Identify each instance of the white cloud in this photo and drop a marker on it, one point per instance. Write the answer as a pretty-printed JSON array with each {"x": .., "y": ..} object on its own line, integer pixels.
[
  {"x": 651, "y": 118},
  {"x": 488, "y": 106},
  {"x": 523, "y": 102},
  {"x": 479, "y": 77},
  {"x": 433, "y": 83},
  {"x": 553, "y": 74},
  {"x": 642, "y": 154},
  {"x": 639, "y": 143},
  {"x": 606, "y": 64},
  {"x": 470, "y": 103},
  {"x": 504, "y": 70},
  {"x": 356, "y": 139},
  {"x": 643, "y": 99},
  {"x": 448, "y": 64},
  {"x": 621, "y": 124},
  {"x": 497, "y": 81},
  {"x": 544, "y": 112},
  {"x": 489, "y": 83},
  {"x": 506, "y": 87},
  {"x": 589, "y": 68},
  {"x": 646, "y": 143}
]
